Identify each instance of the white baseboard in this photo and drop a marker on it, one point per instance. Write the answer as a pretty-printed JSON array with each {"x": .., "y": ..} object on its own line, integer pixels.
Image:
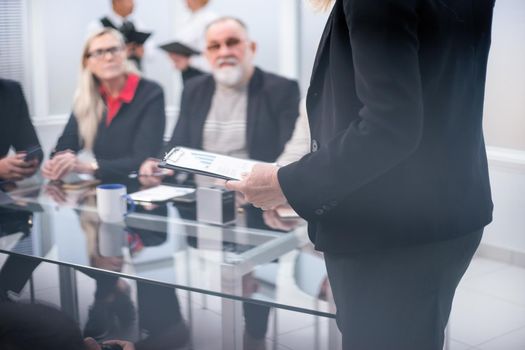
[
  {"x": 506, "y": 157},
  {"x": 504, "y": 255},
  {"x": 504, "y": 238}
]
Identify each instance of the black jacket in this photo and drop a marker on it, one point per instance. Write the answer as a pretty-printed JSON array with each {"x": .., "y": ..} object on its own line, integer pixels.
[
  {"x": 395, "y": 109},
  {"x": 190, "y": 72},
  {"x": 16, "y": 130},
  {"x": 273, "y": 107},
  {"x": 134, "y": 134}
]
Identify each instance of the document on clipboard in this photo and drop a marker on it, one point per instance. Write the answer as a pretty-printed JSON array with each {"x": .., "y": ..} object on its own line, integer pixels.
[{"x": 206, "y": 163}]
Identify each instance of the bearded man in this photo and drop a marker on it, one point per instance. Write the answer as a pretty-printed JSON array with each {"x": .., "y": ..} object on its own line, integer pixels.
[{"x": 238, "y": 110}]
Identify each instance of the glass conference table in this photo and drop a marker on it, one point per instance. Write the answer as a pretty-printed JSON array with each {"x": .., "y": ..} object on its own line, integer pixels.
[{"x": 163, "y": 244}]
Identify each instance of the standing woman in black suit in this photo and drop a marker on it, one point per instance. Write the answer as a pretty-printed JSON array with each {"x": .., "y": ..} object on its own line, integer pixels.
[
  {"x": 396, "y": 189},
  {"x": 18, "y": 132},
  {"x": 117, "y": 115}
]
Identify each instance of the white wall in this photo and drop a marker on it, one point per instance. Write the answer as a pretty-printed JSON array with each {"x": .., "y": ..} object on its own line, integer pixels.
[
  {"x": 312, "y": 25},
  {"x": 262, "y": 19},
  {"x": 505, "y": 91}
]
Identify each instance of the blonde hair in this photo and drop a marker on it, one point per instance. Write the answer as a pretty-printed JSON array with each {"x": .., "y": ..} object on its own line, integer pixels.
[
  {"x": 322, "y": 5},
  {"x": 88, "y": 106}
]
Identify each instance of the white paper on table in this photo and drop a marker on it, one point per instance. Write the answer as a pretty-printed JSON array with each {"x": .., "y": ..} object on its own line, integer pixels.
[{"x": 160, "y": 193}]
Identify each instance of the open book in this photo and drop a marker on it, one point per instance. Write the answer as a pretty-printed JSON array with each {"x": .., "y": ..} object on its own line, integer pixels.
[{"x": 206, "y": 163}]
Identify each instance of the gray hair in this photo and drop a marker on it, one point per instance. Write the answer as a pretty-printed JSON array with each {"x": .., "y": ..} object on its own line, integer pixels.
[{"x": 225, "y": 19}]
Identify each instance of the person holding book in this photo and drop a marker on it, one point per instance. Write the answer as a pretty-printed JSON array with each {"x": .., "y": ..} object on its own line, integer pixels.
[{"x": 180, "y": 54}]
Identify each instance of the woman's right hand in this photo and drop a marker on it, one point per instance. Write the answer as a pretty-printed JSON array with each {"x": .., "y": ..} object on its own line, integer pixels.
[
  {"x": 60, "y": 165},
  {"x": 47, "y": 169}
]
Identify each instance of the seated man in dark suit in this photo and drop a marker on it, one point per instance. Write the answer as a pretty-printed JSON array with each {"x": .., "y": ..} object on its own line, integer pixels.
[
  {"x": 238, "y": 110},
  {"x": 17, "y": 132}
]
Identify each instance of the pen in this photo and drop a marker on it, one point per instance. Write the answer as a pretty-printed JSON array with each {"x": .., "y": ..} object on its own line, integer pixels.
[{"x": 135, "y": 175}]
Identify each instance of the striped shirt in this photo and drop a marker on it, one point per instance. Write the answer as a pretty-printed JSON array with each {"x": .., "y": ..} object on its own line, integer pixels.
[{"x": 225, "y": 127}]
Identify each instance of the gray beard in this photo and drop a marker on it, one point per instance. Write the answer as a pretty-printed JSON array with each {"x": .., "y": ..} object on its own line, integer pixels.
[{"x": 229, "y": 76}]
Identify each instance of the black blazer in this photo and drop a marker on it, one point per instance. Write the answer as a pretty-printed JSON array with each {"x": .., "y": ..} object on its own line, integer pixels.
[
  {"x": 16, "y": 130},
  {"x": 273, "y": 107},
  {"x": 395, "y": 109},
  {"x": 134, "y": 134}
]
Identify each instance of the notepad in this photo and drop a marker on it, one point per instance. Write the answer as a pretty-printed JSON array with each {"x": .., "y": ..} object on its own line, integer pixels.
[{"x": 161, "y": 193}]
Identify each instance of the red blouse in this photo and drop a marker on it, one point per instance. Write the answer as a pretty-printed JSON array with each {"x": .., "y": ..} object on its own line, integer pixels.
[{"x": 125, "y": 96}]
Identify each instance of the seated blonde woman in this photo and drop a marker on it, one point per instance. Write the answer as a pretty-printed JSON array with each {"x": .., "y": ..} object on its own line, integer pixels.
[{"x": 117, "y": 115}]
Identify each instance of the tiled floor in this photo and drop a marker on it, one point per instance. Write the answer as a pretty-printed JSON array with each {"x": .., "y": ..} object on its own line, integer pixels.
[
  {"x": 489, "y": 308},
  {"x": 488, "y": 312}
]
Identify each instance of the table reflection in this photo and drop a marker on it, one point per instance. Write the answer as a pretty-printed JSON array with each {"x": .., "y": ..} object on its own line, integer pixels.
[{"x": 161, "y": 246}]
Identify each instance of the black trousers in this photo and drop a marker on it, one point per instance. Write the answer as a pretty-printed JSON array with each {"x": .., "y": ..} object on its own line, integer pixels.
[
  {"x": 398, "y": 299},
  {"x": 16, "y": 271}
]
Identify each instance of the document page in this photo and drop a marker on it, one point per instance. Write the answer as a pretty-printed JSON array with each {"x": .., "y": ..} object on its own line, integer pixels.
[
  {"x": 208, "y": 163},
  {"x": 160, "y": 193}
]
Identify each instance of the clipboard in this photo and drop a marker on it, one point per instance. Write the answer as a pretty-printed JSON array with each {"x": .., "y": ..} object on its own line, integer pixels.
[{"x": 206, "y": 163}]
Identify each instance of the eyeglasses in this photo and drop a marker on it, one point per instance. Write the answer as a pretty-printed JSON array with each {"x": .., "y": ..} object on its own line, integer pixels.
[
  {"x": 100, "y": 53},
  {"x": 230, "y": 43}
]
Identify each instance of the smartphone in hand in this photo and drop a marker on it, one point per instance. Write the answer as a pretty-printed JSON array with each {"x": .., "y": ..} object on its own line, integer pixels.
[{"x": 33, "y": 152}]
